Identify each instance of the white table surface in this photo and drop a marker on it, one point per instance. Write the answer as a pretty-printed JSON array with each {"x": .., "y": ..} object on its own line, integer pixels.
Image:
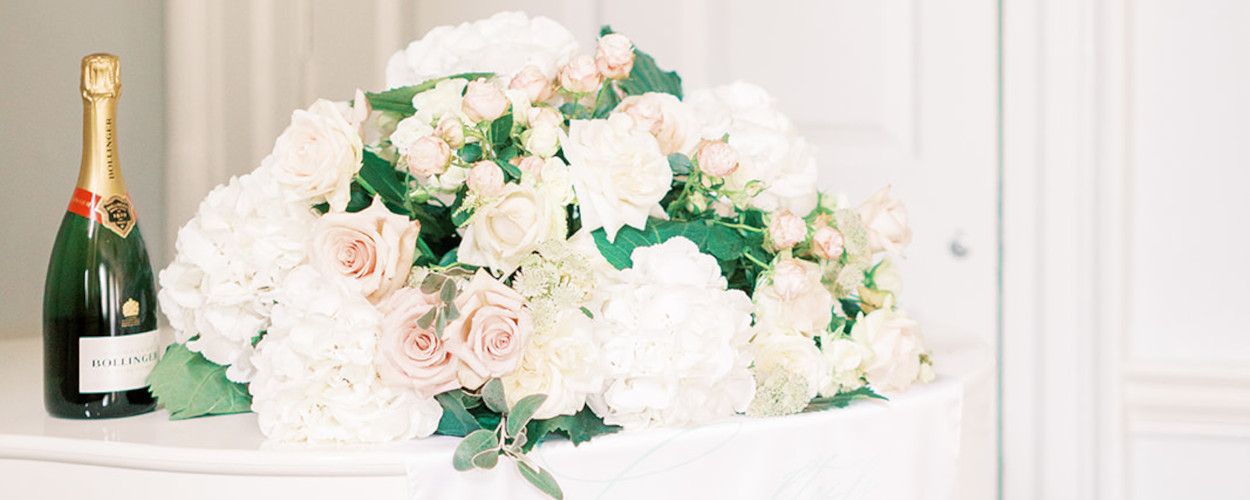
[{"x": 226, "y": 456}]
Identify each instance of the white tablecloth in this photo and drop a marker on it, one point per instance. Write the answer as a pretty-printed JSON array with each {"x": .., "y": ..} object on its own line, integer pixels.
[{"x": 908, "y": 448}]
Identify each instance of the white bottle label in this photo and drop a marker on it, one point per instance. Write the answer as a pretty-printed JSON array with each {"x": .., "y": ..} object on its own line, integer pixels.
[{"x": 121, "y": 363}]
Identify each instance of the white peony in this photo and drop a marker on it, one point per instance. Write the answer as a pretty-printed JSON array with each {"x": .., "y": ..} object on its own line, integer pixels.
[
  {"x": 619, "y": 173},
  {"x": 317, "y": 155},
  {"x": 231, "y": 257},
  {"x": 894, "y": 344},
  {"x": 316, "y": 377},
  {"x": 512, "y": 226},
  {"x": 769, "y": 148},
  {"x": 673, "y": 340},
  {"x": 561, "y": 362},
  {"x": 796, "y": 303},
  {"x": 505, "y": 44}
]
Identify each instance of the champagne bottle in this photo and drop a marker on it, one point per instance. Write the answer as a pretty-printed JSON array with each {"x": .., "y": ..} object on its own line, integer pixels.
[{"x": 100, "y": 337}]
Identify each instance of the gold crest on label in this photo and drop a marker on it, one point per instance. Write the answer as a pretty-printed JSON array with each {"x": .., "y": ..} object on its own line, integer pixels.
[
  {"x": 130, "y": 312},
  {"x": 117, "y": 215}
]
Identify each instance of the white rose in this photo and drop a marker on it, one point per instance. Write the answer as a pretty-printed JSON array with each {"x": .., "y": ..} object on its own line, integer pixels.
[
  {"x": 886, "y": 221},
  {"x": 887, "y": 278},
  {"x": 672, "y": 122},
  {"x": 317, "y": 155},
  {"x": 769, "y": 148},
  {"x": 619, "y": 173},
  {"x": 844, "y": 358},
  {"x": 511, "y": 227},
  {"x": 504, "y": 44},
  {"x": 446, "y": 99},
  {"x": 780, "y": 308},
  {"x": 542, "y": 140},
  {"x": 895, "y": 343},
  {"x": 794, "y": 353}
]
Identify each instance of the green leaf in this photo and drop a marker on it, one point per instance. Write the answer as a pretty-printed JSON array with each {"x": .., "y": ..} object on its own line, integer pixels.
[
  {"x": 380, "y": 177},
  {"x": 523, "y": 412},
  {"x": 680, "y": 163},
  {"x": 449, "y": 258},
  {"x": 501, "y": 130},
  {"x": 191, "y": 386},
  {"x": 541, "y": 479},
  {"x": 448, "y": 291},
  {"x": 721, "y": 242},
  {"x": 842, "y": 400},
  {"x": 474, "y": 443},
  {"x": 427, "y": 319},
  {"x": 456, "y": 421},
  {"x": 646, "y": 76},
  {"x": 492, "y": 395},
  {"x": 399, "y": 100},
  {"x": 510, "y": 170},
  {"x": 486, "y": 459},
  {"x": 608, "y": 100},
  {"x": 471, "y": 153},
  {"x": 579, "y": 427}
]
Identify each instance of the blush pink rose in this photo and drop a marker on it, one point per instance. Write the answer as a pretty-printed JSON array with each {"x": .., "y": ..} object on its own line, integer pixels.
[
  {"x": 615, "y": 56},
  {"x": 483, "y": 101},
  {"x": 580, "y": 75},
  {"x": 717, "y": 158},
  {"x": 451, "y": 131},
  {"x": 790, "y": 278},
  {"x": 409, "y": 355},
  {"x": 485, "y": 178},
  {"x": 427, "y": 156},
  {"x": 492, "y": 331},
  {"x": 536, "y": 85},
  {"x": 371, "y": 248},
  {"x": 786, "y": 230}
]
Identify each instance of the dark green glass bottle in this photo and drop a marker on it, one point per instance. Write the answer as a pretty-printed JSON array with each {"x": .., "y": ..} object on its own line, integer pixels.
[{"x": 100, "y": 336}]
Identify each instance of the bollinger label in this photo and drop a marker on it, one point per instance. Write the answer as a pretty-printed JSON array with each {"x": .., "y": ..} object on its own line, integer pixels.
[
  {"x": 114, "y": 212},
  {"x": 113, "y": 364}
]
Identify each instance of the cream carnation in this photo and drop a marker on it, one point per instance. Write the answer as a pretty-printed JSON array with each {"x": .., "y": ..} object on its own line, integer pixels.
[
  {"x": 769, "y": 148},
  {"x": 317, "y": 155},
  {"x": 512, "y": 226},
  {"x": 894, "y": 342},
  {"x": 673, "y": 339},
  {"x": 503, "y": 44},
  {"x": 316, "y": 377},
  {"x": 796, "y": 304},
  {"x": 492, "y": 331},
  {"x": 231, "y": 257},
  {"x": 619, "y": 173},
  {"x": 372, "y": 249}
]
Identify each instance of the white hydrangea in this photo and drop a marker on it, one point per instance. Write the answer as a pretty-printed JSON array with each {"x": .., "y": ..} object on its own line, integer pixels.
[
  {"x": 674, "y": 341},
  {"x": 231, "y": 257},
  {"x": 769, "y": 147},
  {"x": 503, "y": 44},
  {"x": 316, "y": 380},
  {"x": 562, "y": 362}
]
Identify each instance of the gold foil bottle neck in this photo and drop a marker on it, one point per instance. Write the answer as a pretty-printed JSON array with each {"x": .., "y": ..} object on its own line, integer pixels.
[{"x": 101, "y": 77}]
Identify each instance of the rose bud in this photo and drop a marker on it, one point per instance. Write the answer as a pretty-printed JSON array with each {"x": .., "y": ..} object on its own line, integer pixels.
[
  {"x": 485, "y": 178},
  {"x": 615, "y": 56},
  {"x": 484, "y": 101},
  {"x": 827, "y": 243},
  {"x": 428, "y": 155},
  {"x": 717, "y": 158},
  {"x": 451, "y": 130},
  {"x": 580, "y": 75},
  {"x": 786, "y": 230},
  {"x": 536, "y": 85}
]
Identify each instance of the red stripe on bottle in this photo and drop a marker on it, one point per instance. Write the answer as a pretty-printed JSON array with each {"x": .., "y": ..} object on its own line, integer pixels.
[{"x": 83, "y": 203}]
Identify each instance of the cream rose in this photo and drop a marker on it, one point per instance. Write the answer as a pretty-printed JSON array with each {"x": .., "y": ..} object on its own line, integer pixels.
[
  {"x": 317, "y": 155},
  {"x": 409, "y": 355},
  {"x": 372, "y": 249},
  {"x": 794, "y": 303},
  {"x": 673, "y": 123},
  {"x": 844, "y": 357},
  {"x": 483, "y": 101},
  {"x": 536, "y": 85},
  {"x": 511, "y": 227},
  {"x": 895, "y": 343},
  {"x": 886, "y": 221},
  {"x": 794, "y": 353},
  {"x": 492, "y": 331},
  {"x": 619, "y": 173}
]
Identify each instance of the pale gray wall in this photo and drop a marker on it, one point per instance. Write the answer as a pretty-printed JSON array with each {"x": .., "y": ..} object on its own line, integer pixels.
[{"x": 41, "y": 46}]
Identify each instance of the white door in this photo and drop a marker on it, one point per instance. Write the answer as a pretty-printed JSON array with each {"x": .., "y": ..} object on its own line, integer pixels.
[{"x": 900, "y": 92}]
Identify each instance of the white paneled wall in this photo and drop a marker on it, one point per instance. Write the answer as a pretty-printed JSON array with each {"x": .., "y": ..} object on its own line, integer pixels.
[
  {"x": 900, "y": 92},
  {"x": 1124, "y": 352}
]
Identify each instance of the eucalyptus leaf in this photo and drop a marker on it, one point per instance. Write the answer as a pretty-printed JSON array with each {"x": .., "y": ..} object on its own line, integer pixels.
[
  {"x": 473, "y": 444},
  {"x": 680, "y": 163},
  {"x": 448, "y": 291},
  {"x": 541, "y": 479},
  {"x": 427, "y": 319},
  {"x": 522, "y": 412},
  {"x": 492, "y": 395},
  {"x": 191, "y": 386}
]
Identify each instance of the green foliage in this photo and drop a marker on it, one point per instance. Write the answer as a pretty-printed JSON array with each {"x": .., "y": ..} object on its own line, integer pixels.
[
  {"x": 680, "y": 163},
  {"x": 191, "y": 386},
  {"x": 492, "y": 395},
  {"x": 481, "y": 448},
  {"x": 718, "y": 240},
  {"x": 471, "y": 153},
  {"x": 456, "y": 421},
  {"x": 399, "y": 100},
  {"x": 523, "y": 412},
  {"x": 477, "y": 442},
  {"x": 579, "y": 427},
  {"x": 646, "y": 76},
  {"x": 842, "y": 400},
  {"x": 541, "y": 478},
  {"x": 501, "y": 130}
]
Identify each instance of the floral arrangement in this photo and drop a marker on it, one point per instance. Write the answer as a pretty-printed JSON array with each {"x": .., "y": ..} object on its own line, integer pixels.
[{"x": 518, "y": 241}]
